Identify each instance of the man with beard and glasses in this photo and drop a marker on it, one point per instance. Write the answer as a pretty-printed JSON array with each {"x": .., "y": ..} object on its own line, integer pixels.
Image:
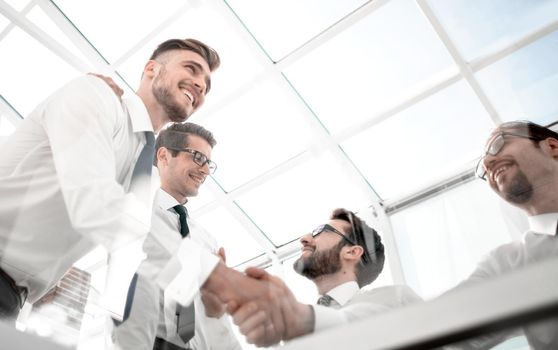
[
  {"x": 520, "y": 164},
  {"x": 76, "y": 172},
  {"x": 340, "y": 257}
]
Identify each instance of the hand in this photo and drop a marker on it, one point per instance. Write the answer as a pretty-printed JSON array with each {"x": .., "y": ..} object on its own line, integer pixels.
[
  {"x": 117, "y": 89},
  {"x": 214, "y": 307},
  {"x": 237, "y": 289},
  {"x": 256, "y": 326}
]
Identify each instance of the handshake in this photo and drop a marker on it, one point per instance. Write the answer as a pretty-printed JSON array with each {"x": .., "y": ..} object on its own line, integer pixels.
[{"x": 261, "y": 305}]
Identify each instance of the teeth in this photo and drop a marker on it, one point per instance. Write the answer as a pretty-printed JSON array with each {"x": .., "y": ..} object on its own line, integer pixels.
[
  {"x": 499, "y": 171},
  {"x": 188, "y": 95}
]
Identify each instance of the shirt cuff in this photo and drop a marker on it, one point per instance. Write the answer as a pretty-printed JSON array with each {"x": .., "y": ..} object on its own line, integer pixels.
[{"x": 187, "y": 271}]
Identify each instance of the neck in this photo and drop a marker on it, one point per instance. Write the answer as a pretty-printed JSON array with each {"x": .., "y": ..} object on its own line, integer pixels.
[
  {"x": 544, "y": 200},
  {"x": 179, "y": 198},
  {"x": 325, "y": 283},
  {"x": 156, "y": 112}
]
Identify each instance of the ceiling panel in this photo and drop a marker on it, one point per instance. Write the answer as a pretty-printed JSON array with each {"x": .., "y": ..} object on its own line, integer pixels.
[
  {"x": 281, "y": 26},
  {"x": 371, "y": 66},
  {"x": 268, "y": 130},
  {"x": 44, "y": 72},
  {"x": 479, "y": 27},
  {"x": 523, "y": 85},
  {"x": 113, "y": 27},
  {"x": 422, "y": 145}
]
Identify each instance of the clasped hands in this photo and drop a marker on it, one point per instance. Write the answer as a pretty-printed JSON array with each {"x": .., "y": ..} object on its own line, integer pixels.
[{"x": 261, "y": 305}]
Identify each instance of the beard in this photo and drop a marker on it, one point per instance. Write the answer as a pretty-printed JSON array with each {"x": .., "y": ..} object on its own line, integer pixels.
[
  {"x": 319, "y": 263},
  {"x": 520, "y": 189},
  {"x": 174, "y": 110}
]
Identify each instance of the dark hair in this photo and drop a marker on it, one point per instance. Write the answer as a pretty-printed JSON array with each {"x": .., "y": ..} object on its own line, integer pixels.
[
  {"x": 527, "y": 128},
  {"x": 372, "y": 260},
  {"x": 176, "y": 136},
  {"x": 209, "y": 55}
]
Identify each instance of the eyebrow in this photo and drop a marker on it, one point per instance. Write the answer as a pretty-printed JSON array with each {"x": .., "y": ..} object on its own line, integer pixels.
[{"x": 200, "y": 68}]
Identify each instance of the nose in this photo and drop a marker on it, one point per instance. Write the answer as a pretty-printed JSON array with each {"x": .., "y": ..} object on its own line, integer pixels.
[
  {"x": 306, "y": 239},
  {"x": 200, "y": 84}
]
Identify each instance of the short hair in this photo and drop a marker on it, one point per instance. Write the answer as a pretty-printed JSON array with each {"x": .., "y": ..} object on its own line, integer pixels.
[
  {"x": 372, "y": 260},
  {"x": 209, "y": 54},
  {"x": 176, "y": 136},
  {"x": 528, "y": 128}
]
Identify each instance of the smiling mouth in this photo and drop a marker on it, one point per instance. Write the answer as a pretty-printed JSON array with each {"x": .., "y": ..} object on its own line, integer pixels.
[
  {"x": 188, "y": 95},
  {"x": 198, "y": 179},
  {"x": 497, "y": 173}
]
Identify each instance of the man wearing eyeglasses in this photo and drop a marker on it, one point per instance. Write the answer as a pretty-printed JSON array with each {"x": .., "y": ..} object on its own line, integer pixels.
[
  {"x": 340, "y": 257},
  {"x": 520, "y": 164},
  {"x": 153, "y": 319}
]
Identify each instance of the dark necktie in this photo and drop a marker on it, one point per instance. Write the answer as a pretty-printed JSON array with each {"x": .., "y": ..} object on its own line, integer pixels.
[
  {"x": 325, "y": 300},
  {"x": 185, "y": 325},
  {"x": 181, "y": 211},
  {"x": 140, "y": 185},
  {"x": 141, "y": 176}
]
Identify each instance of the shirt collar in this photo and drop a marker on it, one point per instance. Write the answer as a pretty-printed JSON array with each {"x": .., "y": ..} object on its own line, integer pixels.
[
  {"x": 344, "y": 292},
  {"x": 544, "y": 223},
  {"x": 138, "y": 113}
]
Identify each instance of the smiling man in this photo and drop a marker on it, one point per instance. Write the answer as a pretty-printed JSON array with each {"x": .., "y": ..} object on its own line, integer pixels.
[
  {"x": 76, "y": 172},
  {"x": 520, "y": 164},
  {"x": 340, "y": 257},
  {"x": 154, "y": 319}
]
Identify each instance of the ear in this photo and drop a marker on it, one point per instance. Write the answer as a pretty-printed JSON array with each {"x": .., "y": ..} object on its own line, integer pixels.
[
  {"x": 151, "y": 68},
  {"x": 552, "y": 145},
  {"x": 163, "y": 156},
  {"x": 353, "y": 253}
]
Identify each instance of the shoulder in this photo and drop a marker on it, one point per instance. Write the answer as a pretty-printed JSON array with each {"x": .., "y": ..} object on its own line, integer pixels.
[{"x": 394, "y": 295}]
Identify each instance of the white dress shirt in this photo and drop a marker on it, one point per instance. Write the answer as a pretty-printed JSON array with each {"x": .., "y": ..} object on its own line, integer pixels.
[
  {"x": 154, "y": 312},
  {"x": 539, "y": 243},
  {"x": 350, "y": 303},
  {"x": 64, "y": 175}
]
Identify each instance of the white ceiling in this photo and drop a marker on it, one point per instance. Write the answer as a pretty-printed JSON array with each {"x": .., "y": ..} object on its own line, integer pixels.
[{"x": 318, "y": 104}]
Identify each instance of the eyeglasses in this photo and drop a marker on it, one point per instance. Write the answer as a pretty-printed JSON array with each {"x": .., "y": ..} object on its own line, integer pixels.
[
  {"x": 199, "y": 158},
  {"x": 494, "y": 147},
  {"x": 326, "y": 227}
]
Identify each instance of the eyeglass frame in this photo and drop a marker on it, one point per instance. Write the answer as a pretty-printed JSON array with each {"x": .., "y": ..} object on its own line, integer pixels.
[
  {"x": 210, "y": 164},
  {"x": 500, "y": 135},
  {"x": 327, "y": 227}
]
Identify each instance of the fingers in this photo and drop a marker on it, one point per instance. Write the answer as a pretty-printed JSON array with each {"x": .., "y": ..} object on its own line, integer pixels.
[
  {"x": 222, "y": 255},
  {"x": 257, "y": 273},
  {"x": 108, "y": 80}
]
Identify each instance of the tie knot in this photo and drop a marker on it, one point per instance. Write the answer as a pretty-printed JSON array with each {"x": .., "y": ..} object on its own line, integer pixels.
[
  {"x": 325, "y": 300},
  {"x": 149, "y": 139},
  {"x": 180, "y": 210}
]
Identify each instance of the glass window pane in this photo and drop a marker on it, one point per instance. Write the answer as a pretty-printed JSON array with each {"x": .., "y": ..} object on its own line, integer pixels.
[
  {"x": 524, "y": 84},
  {"x": 40, "y": 18},
  {"x": 26, "y": 80},
  {"x": 308, "y": 192},
  {"x": 116, "y": 33},
  {"x": 423, "y": 144},
  {"x": 255, "y": 133},
  {"x": 239, "y": 245},
  {"x": 371, "y": 66},
  {"x": 18, "y": 5},
  {"x": 305, "y": 20},
  {"x": 441, "y": 239},
  {"x": 479, "y": 27},
  {"x": 6, "y": 127}
]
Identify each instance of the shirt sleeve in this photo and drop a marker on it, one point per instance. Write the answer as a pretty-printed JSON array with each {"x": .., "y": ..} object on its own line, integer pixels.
[{"x": 81, "y": 120}]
